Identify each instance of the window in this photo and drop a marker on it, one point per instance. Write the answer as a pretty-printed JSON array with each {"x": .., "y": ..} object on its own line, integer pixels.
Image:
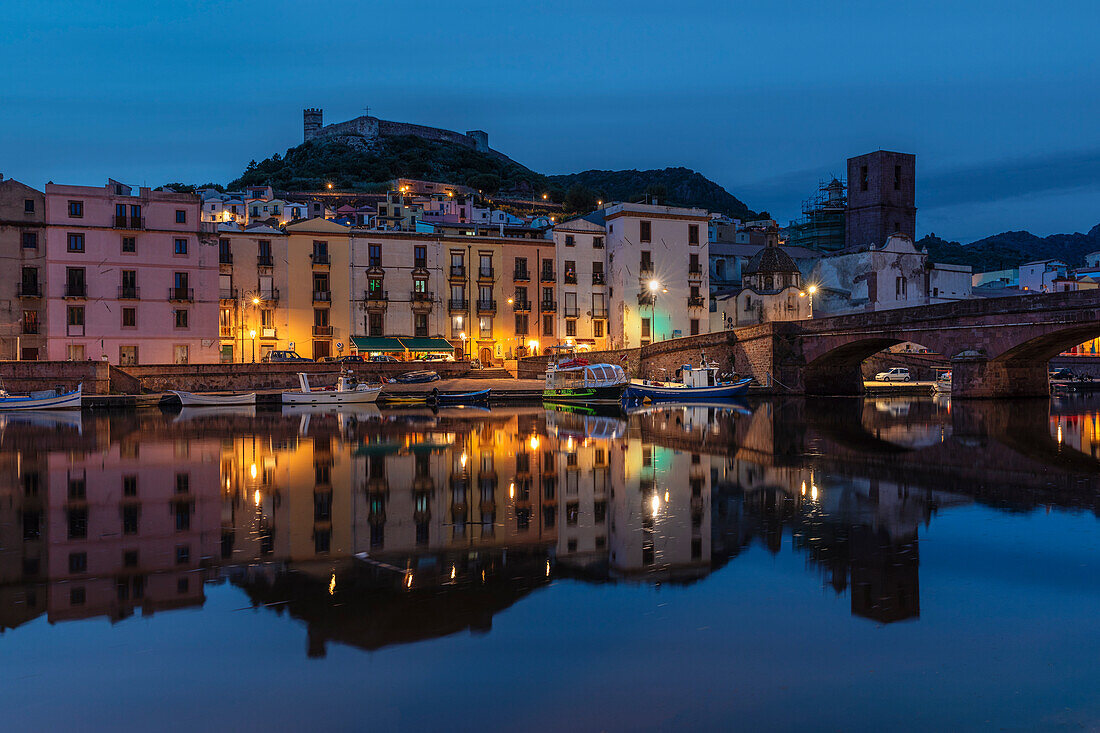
[
  {"x": 76, "y": 242},
  {"x": 693, "y": 234},
  {"x": 420, "y": 325},
  {"x": 181, "y": 318},
  {"x": 130, "y": 519},
  {"x": 897, "y": 177},
  {"x": 863, "y": 178},
  {"x": 521, "y": 324},
  {"x": 129, "y": 485},
  {"x": 647, "y": 261},
  {"x": 30, "y": 240},
  {"x": 130, "y": 559},
  {"x": 485, "y": 326},
  {"x": 693, "y": 264},
  {"x": 74, "y": 282},
  {"x": 645, "y": 328},
  {"x": 597, "y": 273},
  {"x": 597, "y": 329},
  {"x": 420, "y": 256},
  {"x": 75, "y": 315},
  {"x": 264, "y": 251},
  {"x": 127, "y": 355},
  {"x": 78, "y": 562},
  {"x": 129, "y": 244},
  {"x": 76, "y": 209},
  {"x": 570, "y": 271},
  {"x": 547, "y": 325},
  {"x": 181, "y": 247},
  {"x": 570, "y": 327},
  {"x": 644, "y": 231},
  {"x": 180, "y": 354},
  {"x": 78, "y": 523},
  {"x": 183, "y": 483},
  {"x": 320, "y": 318},
  {"x": 375, "y": 256},
  {"x": 181, "y": 216},
  {"x": 597, "y": 242},
  {"x": 30, "y": 321},
  {"x": 694, "y": 326},
  {"x": 900, "y": 287},
  {"x": 28, "y": 206},
  {"x": 375, "y": 325},
  {"x": 183, "y": 554},
  {"x": 225, "y": 253},
  {"x": 569, "y": 240},
  {"x": 129, "y": 317}
]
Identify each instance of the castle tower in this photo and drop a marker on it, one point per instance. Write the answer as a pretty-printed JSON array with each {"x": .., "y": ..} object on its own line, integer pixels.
[
  {"x": 311, "y": 123},
  {"x": 881, "y": 198},
  {"x": 480, "y": 138}
]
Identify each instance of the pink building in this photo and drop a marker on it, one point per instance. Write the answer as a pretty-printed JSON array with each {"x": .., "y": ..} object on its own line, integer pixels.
[{"x": 131, "y": 277}]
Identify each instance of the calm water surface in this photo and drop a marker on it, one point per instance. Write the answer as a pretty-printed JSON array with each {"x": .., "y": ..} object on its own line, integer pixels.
[{"x": 845, "y": 564}]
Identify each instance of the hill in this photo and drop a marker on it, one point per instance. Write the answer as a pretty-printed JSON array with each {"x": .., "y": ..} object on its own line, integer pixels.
[
  {"x": 352, "y": 163},
  {"x": 1011, "y": 249},
  {"x": 677, "y": 186}
]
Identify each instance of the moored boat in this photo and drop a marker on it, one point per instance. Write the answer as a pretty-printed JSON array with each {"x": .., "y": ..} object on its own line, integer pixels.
[
  {"x": 575, "y": 381},
  {"x": 208, "y": 399},
  {"x": 696, "y": 384},
  {"x": 343, "y": 394},
  {"x": 43, "y": 400},
  {"x": 478, "y": 397},
  {"x": 943, "y": 382}
]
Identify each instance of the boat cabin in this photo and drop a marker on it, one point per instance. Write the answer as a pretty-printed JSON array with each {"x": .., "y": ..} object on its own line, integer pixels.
[{"x": 578, "y": 373}]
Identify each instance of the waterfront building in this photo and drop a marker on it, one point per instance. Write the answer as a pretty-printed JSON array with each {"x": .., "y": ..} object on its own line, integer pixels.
[
  {"x": 319, "y": 299},
  {"x": 131, "y": 276},
  {"x": 253, "y": 280},
  {"x": 23, "y": 247},
  {"x": 1039, "y": 276},
  {"x": 584, "y": 301},
  {"x": 880, "y": 277}
]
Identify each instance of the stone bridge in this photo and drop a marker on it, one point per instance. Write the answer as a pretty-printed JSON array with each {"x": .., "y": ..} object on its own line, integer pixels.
[{"x": 998, "y": 347}]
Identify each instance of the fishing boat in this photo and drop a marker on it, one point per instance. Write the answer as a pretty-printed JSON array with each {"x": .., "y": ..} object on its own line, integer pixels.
[
  {"x": 942, "y": 384},
  {"x": 49, "y": 399},
  {"x": 442, "y": 399},
  {"x": 343, "y": 394},
  {"x": 213, "y": 399},
  {"x": 694, "y": 384},
  {"x": 573, "y": 380}
]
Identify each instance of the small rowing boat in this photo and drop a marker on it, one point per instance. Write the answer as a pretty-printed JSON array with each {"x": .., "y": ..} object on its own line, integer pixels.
[
  {"x": 212, "y": 399},
  {"x": 446, "y": 399},
  {"x": 43, "y": 400}
]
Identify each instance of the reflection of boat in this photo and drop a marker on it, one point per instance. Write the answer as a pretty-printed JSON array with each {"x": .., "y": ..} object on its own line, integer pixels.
[
  {"x": 695, "y": 384},
  {"x": 399, "y": 400},
  {"x": 610, "y": 409},
  {"x": 43, "y": 419},
  {"x": 343, "y": 394},
  {"x": 44, "y": 400},
  {"x": 193, "y": 399},
  {"x": 575, "y": 424},
  {"x": 360, "y": 411},
  {"x": 196, "y": 413},
  {"x": 442, "y": 399},
  {"x": 575, "y": 381},
  {"x": 734, "y": 405}
]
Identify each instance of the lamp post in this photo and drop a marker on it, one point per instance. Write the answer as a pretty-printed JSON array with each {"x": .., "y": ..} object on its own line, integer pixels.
[
  {"x": 654, "y": 288},
  {"x": 252, "y": 333},
  {"x": 463, "y": 337},
  {"x": 810, "y": 292}
]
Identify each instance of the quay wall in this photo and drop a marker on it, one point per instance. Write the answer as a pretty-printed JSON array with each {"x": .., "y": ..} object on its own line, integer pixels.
[
  {"x": 235, "y": 377},
  {"x": 31, "y": 376}
]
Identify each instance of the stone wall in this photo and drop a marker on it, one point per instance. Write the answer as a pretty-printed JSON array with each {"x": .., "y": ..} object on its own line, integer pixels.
[
  {"x": 217, "y": 377},
  {"x": 30, "y": 376}
]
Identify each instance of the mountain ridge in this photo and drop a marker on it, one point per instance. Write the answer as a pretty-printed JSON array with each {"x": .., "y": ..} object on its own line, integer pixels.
[{"x": 1012, "y": 249}]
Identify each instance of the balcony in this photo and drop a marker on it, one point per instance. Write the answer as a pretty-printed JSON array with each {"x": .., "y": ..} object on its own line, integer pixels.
[
  {"x": 695, "y": 272},
  {"x": 129, "y": 292},
  {"x": 548, "y": 306},
  {"x": 420, "y": 300},
  {"x": 225, "y": 258},
  {"x": 599, "y": 313},
  {"x": 570, "y": 311},
  {"x": 458, "y": 272},
  {"x": 30, "y": 328},
  {"x": 521, "y": 276},
  {"x": 598, "y": 278},
  {"x": 268, "y": 333},
  {"x": 646, "y": 298},
  {"x": 128, "y": 222},
  {"x": 484, "y": 273},
  {"x": 322, "y": 296},
  {"x": 320, "y": 259},
  {"x": 76, "y": 290},
  {"x": 458, "y": 305},
  {"x": 696, "y": 301},
  {"x": 521, "y": 306},
  {"x": 645, "y": 270},
  {"x": 486, "y": 306},
  {"x": 265, "y": 261},
  {"x": 325, "y": 331},
  {"x": 269, "y": 295},
  {"x": 225, "y": 332},
  {"x": 546, "y": 276},
  {"x": 570, "y": 277},
  {"x": 29, "y": 290},
  {"x": 227, "y": 293},
  {"x": 377, "y": 299},
  {"x": 181, "y": 294},
  {"x": 420, "y": 267}
]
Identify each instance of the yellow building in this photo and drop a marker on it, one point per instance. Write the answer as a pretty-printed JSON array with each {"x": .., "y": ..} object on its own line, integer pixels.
[
  {"x": 319, "y": 290},
  {"x": 252, "y": 290}
]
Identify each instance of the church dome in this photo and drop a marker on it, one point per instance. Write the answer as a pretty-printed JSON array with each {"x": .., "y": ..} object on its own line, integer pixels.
[{"x": 770, "y": 260}]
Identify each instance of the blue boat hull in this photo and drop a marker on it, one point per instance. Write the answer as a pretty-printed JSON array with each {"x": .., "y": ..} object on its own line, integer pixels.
[{"x": 656, "y": 393}]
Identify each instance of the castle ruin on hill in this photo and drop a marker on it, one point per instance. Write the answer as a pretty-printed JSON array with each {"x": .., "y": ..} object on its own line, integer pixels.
[{"x": 372, "y": 128}]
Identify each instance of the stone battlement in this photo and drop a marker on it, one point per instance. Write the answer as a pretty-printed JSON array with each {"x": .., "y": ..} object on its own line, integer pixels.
[{"x": 370, "y": 128}]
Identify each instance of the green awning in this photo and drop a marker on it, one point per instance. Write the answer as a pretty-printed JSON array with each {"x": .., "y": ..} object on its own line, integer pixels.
[
  {"x": 377, "y": 343},
  {"x": 428, "y": 345}
]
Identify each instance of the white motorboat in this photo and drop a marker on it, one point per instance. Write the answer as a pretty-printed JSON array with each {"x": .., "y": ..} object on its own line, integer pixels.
[
  {"x": 343, "y": 394},
  {"x": 212, "y": 399},
  {"x": 943, "y": 382},
  {"x": 42, "y": 400}
]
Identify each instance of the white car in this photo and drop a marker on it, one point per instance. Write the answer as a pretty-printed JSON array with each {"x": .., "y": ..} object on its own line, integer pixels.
[{"x": 897, "y": 374}]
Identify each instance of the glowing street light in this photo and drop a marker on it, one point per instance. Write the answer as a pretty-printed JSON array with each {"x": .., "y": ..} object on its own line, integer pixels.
[
  {"x": 252, "y": 333},
  {"x": 654, "y": 286},
  {"x": 330, "y": 185}
]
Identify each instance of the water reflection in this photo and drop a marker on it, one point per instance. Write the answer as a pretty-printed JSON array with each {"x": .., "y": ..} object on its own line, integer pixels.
[{"x": 380, "y": 528}]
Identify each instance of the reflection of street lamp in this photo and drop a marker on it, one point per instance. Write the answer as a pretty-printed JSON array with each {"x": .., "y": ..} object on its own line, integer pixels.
[{"x": 252, "y": 333}]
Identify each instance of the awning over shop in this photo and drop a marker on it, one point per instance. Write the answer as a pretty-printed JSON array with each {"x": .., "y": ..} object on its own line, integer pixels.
[
  {"x": 377, "y": 343},
  {"x": 421, "y": 345}
]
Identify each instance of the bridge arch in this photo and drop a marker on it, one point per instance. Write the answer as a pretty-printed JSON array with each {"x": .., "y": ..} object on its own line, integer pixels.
[{"x": 837, "y": 371}]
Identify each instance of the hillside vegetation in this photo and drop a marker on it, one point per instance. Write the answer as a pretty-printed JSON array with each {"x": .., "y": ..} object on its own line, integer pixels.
[
  {"x": 675, "y": 186},
  {"x": 1011, "y": 249}
]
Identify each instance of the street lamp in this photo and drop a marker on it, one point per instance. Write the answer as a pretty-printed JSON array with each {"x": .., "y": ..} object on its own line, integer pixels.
[
  {"x": 463, "y": 337},
  {"x": 252, "y": 333},
  {"x": 654, "y": 287}
]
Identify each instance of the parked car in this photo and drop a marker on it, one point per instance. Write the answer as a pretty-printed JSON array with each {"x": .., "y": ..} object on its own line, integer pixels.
[
  {"x": 1067, "y": 375},
  {"x": 416, "y": 377},
  {"x": 349, "y": 359},
  {"x": 897, "y": 374},
  {"x": 438, "y": 357},
  {"x": 385, "y": 358},
  {"x": 281, "y": 356}
]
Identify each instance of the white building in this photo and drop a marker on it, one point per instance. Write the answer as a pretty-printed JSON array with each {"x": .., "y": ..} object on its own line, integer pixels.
[{"x": 1039, "y": 276}]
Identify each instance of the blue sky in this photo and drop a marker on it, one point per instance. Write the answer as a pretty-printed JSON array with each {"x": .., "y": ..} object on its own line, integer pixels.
[{"x": 1000, "y": 101}]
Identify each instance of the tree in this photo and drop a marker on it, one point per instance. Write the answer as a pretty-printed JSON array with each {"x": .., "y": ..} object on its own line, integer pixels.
[{"x": 579, "y": 199}]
